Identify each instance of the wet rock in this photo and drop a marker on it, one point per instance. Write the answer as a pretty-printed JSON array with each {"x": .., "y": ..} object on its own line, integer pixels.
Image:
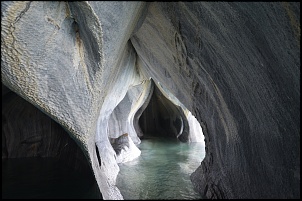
[{"x": 124, "y": 148}]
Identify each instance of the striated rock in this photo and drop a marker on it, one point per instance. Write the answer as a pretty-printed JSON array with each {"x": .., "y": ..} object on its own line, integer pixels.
[
  {"x": 56, "y": 62},
  {"x": 27, "y": 132},
  {"x": 235, "y": 66}
]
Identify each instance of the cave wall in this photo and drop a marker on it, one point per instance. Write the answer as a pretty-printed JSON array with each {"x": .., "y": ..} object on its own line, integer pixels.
[
  {"x": 64, "y": 58},
  {"x": 234, "y": 65},
  {"x": 126, "y": 114},
  {"x": 28, "y": 132}
]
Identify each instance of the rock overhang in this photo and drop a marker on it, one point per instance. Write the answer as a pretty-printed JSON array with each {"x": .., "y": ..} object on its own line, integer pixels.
[{"x": 226, "y": 62}]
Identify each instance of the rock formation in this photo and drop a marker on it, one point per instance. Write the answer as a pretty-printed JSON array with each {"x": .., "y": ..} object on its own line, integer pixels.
[
  {"x": 165, "y": 119},
  {"x": 234, "y": 65},
  {"x": 27, "y": 132}
]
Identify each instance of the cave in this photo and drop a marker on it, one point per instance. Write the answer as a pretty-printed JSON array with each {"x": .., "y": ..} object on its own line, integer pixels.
[
  {"x": 162, "y": 118},
  {"x": 39, "y": 158},
  {"x": 172, "y": 147},
  {"x": 234, "y": 67}
]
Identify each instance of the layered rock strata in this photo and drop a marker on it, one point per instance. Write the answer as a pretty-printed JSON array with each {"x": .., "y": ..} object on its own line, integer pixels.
[{"x": 236, "y": 67}]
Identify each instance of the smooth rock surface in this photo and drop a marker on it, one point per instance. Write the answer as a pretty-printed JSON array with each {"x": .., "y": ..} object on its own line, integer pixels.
[
  {"x": 126, "y": 114},
  {"x": 234, "y": 65}
]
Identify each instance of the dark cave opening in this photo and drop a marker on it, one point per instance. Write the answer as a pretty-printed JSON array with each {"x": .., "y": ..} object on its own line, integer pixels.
[
  {"x": 39, "y": 158},
  {"x": 162, "y": 118}
]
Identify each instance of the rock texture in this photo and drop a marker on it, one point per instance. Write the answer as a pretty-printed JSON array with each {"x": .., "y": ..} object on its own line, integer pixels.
[
  {"x": 126, "y": 114},
  {"x": 56, "y": 62},
  {"x": 234, "y": 65},
  {"x": 27, "y": 132},
  {"x": 124, "y": 148}
]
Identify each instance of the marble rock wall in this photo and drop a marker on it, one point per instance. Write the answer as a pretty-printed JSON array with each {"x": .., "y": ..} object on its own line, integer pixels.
[
  {"x": 28, "y": 132},
  {"x": 234, "y": 65}
]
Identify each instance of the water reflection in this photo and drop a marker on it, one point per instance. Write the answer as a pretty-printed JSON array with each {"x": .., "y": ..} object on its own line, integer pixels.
[{"x": 162, "y": 171}]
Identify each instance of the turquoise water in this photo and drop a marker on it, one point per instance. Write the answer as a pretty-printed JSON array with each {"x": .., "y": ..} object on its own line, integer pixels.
[
  {"x": 41, "y": 178},
  {"x": 162, "y": 171}
]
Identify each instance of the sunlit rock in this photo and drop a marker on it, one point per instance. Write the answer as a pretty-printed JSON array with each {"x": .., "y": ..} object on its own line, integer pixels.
[
  {"x": 196, "y": 133},
  {"x": 125, "y": 148},
  {"x": 125, "y": 115}
]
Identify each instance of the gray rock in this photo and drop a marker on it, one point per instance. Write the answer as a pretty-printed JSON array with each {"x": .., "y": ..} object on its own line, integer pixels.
[
  {"x": 120, "y": 143},
  {"x": 27, "y": 133},
  {"x": 234, "y": 65},
  {"x": 124, "y": 148}
]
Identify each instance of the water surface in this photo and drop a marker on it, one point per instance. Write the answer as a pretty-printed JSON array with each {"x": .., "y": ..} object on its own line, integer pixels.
[{"x": 162, "y": 171}]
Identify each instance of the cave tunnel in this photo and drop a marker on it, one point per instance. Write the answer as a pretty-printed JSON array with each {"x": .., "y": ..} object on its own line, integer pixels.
[
  {"x": 170, "y": 150},
  {"x": 157, "y": 117},
  {"x": 162, "y": 118},
  {"x": 235, "y": 65},
  {"x": 39, "y": 158}
]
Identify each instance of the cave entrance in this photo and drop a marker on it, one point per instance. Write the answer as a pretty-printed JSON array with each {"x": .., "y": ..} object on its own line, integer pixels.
[
  {"x": 162, "y": 118},
  {"x": 172, "y": 148}
]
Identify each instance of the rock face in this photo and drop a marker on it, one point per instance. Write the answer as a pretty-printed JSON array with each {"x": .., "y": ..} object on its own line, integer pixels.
[
  {"x": 27, "y": 132},
  {"x": 235, "y": 66},
  {"x": 124, "y": 148}
]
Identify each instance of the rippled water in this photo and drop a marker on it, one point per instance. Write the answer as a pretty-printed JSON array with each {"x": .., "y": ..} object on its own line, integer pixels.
[
  {"x": 33, "y": 178},
  {"x": 162, "y": 171}
]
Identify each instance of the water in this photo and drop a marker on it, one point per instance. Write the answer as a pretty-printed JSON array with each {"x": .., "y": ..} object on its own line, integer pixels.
[
  {"x": 41, "y": 178},
  {"x": 162, "y": 171}
]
